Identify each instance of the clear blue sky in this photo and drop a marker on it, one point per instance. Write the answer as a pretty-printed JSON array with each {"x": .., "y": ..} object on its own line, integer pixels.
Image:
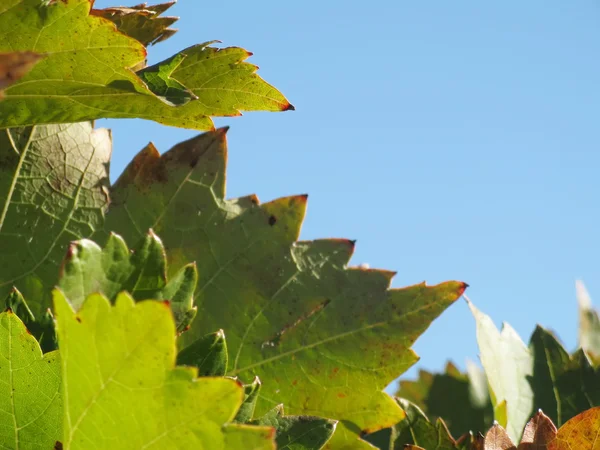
[{"x": 453, "y": 140}]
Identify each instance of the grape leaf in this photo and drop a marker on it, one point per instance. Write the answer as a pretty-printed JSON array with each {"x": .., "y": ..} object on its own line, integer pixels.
[
  {"x": 452, "y": 396},
  {"x": 142, "y": 22},
  {"x": 297, "y": 432},
  {"x": 87, "y": 72},
  {"x": 538, "y": 433},
  {"x": 208, "y": 354},
  {"x": 498, "y": 439},
  {"x": 53, "y": 189},
  {"x": 14, "y": 65},
  {"x": 89, "y": 269},
  {"x": 324, "y": 339},
  {"x": 561, "y": 382},
  {"x": 118, "y": 374},
  {"x": 508, "y": 365},
  {"x": 418, "y": 430},
  {"x": 30, "y": 399}
]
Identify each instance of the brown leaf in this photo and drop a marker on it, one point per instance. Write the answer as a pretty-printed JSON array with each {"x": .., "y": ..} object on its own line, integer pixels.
[
  {"x": 14, "y": 65},
  {"x": 497, "y": 439},
  {"x": 476, "y": 442},
  {"x": 141, "y": 22},
  {"x": 582, "y": 432},
  {"x": 539, "y": 432}
]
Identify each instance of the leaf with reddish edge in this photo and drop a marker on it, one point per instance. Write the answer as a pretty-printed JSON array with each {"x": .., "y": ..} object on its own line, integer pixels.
[{"x": 324, "y": 339}]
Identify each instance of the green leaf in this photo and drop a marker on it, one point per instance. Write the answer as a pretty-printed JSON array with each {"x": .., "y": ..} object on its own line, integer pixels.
[
  {"x": 589, "y": 323},
  {"x": 246, "y": 411},
  {"x": 53, "y": 189},
  {"x": 42, "y": 327},
  {"x": 298, "y": 432},
  {"x": 462, "y": 400},
  {"x": 142, "y": 22},
  {"x": 208, "y": 354},
  {"x": 87, "y": 73},
  {"x": 418, "y": 430},
  {"x": 30, "y": 399},
  {"x": 323, "y": 338},
  {"x": 14, "y": 65},
  {"x": 508, "y": 365},
  {"x": 118, "y": 375},
  {"x": 219, "y": 78},
  {"x": 89, "y": 269},
  {"x": 560, "y": 381}
]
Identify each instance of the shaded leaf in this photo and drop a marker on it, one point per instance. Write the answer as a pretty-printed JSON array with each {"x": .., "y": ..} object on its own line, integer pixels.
[
  {"x": 53, "y": 189},
  {"x": 87, "y": 73},
  {"x": 462, "y": 400},
  {"x": 418, "y": 430},
  {"x": 579, "y": 433},
  {"x": 325, "y": 340},
  {"x": 42, "y": 327},
  {"x": 559, "y": 380},
  {"x": 508, "y": 365},
  {"x": 30, "y": 399},
  {"x": 14, "y": 65},
  {"x": 498, "y": 439},
  {"x": 142, "y": 22},
  {"x": 297, "y": 432},
  {"x": 246, "y": 411},
  {"x": 117, "y": 372},
  {"x": 470, "y": 441},
  {"x": 538, "y": 434},
  {"x": 89, "y": 269},
  {"x": 208, "y": 354}
]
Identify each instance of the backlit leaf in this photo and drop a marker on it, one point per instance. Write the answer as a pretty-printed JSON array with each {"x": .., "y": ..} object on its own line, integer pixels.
[
  {"x": 118, "y": 374},
  {"x": 30, "y": 398},
  {"x": 324, "y": 339},
  {"x": 579, "y": 433},
  {"x": 88, "y": 72}
]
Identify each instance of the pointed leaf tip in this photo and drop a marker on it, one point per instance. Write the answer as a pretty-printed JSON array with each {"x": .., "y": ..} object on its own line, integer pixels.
[{"x": 288, "y": 107}]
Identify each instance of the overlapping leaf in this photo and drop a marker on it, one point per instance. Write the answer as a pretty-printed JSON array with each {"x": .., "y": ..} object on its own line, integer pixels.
[
  {"x": 297, "y": 432},
  {"x": 89, "y": 269},
  {"x": 53, "y": 189},
  {"x": 30, "y": 398},
  {"x": 563, "y": 385},
  {"x": 14, "y": 65},
  {"x": 325, "y": 340},
  {"x": 121, "y": 386},
  {"x": 462, "y": 400},
  {"x": 142, "y": 22},
  {"x": 87, "y": 72},
  {"x": 508, "y": 365}
]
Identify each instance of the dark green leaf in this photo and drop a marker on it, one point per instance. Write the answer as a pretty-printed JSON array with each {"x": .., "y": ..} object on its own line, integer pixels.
[
  {"x": 142, "y": 272},
  {"x": 246, "y": 411},
  {"x": 298, "y": 432},
  {"x": 208, "y": 354},
  {"x": 42, "y": 327}
]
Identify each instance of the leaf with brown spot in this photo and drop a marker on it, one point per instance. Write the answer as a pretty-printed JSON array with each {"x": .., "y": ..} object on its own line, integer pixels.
[
  {"x": 582, "y": 432},
  {"x": 15, "y": 65},
  {"x": 324, "y": 339},
  {"x": 142, "y": 22},
  {"x": 539, "y": 432},
  {"x": 497, "y": 439}
]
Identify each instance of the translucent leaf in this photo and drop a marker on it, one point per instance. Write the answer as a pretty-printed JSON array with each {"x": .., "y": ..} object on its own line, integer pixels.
[
  {"x": 324, "y": 339},
  {"x": 88, "y": 72},
  {"x": 118, "y": 375},
  {"x": 508, "y": 365},
  {"x": 30, "y": 397}
]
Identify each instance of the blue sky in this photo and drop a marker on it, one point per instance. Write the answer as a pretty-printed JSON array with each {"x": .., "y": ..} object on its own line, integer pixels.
[{"x": 453, "y": 140}]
